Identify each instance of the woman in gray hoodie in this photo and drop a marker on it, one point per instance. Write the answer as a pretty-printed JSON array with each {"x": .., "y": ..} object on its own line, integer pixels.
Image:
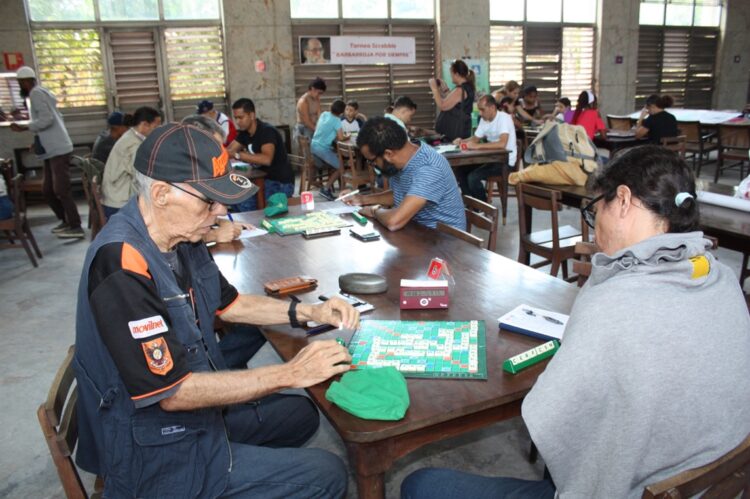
[{"x": 652, "y": 377}]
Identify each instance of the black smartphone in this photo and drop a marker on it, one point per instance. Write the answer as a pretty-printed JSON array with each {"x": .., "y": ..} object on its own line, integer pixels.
[{"x": 365, "y": 236}]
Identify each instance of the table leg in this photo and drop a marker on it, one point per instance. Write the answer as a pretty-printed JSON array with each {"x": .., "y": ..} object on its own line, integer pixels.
[
  {"x": 260, "y": 182},
  {"x": 370, "y": 462}
]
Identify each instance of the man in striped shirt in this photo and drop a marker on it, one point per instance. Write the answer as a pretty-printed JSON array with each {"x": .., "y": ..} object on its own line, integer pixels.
[{"x": 423, "y": 187}]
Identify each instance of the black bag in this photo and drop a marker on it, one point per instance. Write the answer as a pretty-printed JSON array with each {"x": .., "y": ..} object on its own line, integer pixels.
[
  {"x": 38, "y": 147},
  {"x": 455, "y": 123}
]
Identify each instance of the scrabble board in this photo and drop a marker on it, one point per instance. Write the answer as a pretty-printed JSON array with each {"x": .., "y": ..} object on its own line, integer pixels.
[
  {"x": 422, "y": 349},
  {"x": 286, "y": 226}
]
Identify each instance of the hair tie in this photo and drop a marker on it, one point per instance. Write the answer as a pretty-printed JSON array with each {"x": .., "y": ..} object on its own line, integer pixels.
[
  {"x": 681, "y": 197},
  {"x": 591, "y": 96}
]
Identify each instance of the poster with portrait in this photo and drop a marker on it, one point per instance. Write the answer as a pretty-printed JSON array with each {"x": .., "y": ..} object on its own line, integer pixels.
[{"x": 314, "y": 49}]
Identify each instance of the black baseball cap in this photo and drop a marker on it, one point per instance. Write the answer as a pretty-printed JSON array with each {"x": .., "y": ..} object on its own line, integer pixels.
[
  {"x": 204, "y": 106},
  {"x": 186, "y": 154}
]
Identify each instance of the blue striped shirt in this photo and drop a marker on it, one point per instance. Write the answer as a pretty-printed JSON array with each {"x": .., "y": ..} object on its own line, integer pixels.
[{"x": 429, "y": 176}]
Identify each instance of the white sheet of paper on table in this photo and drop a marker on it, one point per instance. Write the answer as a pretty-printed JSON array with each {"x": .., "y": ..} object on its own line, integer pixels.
[
  {"x": 247, "y": 234},
  {"x": 343, "y": 209}
]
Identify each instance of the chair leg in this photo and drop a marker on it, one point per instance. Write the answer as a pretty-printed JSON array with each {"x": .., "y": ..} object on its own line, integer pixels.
[
  {"x": 27, "y": 247},
  {"x": 555, "y": 266},
  {"x": 719, "y": 164},
  {"x": 565, "y": 269},
  {"x": 30, "y": 235},
  {"x": 9, "y": 235},
  {"x": 523, "y": 256}
]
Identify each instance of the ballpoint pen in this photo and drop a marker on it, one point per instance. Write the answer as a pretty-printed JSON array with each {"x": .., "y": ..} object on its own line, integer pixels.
[{"x": 348, "y": 194}]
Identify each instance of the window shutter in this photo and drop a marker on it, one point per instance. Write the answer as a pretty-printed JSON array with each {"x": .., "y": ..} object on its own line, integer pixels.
[
  {"x": 411, "y": 79},
  {"x": 542, "y": 62},
  {"x": 506, "y": 54},
  {"x": 69, "y": 64},
  {"x": 10, "y": 97},
  {"x": 370, "y": 85},
  {"x": 704, "y": 44},
  {"x": 135, "y": 69},
  {"x": 195, "y": 64},
  {"x": 648, "y": 80},
  {"x": 675, "y": 64},
  {"x": 577, "y": 62}
]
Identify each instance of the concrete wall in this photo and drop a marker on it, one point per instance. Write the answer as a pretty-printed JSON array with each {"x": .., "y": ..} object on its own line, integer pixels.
[
  {"x": 14, "y": 37},
  {"x": 463, "y": 30},
  {"x": 616, "y": 35},
  {"x": 732, "y": 77}
]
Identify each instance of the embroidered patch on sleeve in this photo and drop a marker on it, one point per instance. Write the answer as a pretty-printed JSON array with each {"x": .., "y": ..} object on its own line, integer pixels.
[
  {"x": 150, "y": 326},
  {"x": 158, "y": 357}
]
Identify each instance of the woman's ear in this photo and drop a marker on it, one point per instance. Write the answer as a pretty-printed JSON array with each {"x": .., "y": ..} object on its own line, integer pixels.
[{"x": 624, "y": 199}]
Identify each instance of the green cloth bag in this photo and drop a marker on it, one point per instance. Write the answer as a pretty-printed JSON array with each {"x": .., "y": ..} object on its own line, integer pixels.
[
  {"x": 276, "y": 204},
  {"x": 371, "y": 393}
]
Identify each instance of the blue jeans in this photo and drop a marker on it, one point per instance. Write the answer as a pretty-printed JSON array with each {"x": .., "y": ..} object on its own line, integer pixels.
[
  {"x": 326, "y": 154},
  {"x": 437, "y": 483},
  {"x": 270, "y": 187},
  {"x": 262, "y": 435},
  {"x": 6, "y": 207},
  {"x": 239, "y": 345}
]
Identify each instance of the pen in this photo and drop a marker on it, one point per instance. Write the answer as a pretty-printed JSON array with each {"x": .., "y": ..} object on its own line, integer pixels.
[
  {"x": 229, "y": 216},
  {"x": 349, "y": 194}
]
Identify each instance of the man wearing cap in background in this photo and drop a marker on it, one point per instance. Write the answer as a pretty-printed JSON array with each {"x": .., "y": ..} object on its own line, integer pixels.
[
  {"x": 206, "y": 107},
  {"x": 106, "y": 139},
  {"x": 53, "y": 145},
  {"x": 157, "y": 414}
]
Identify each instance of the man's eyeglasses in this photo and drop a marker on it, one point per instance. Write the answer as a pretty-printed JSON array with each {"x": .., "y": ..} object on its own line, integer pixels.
[
  {"x": 588, "y": 213},
  {"x": 210, "y": 202}
]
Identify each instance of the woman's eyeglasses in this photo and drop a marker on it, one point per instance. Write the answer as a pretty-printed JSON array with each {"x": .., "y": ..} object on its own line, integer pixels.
[
  {"x": 588, "y": 213},
  {"x": 210, "y": 202}
]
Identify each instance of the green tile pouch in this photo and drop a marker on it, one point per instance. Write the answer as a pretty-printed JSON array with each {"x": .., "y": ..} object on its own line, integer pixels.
[
  {"x": 276, "y": 204},
  {"x": 371, "y": 393}
]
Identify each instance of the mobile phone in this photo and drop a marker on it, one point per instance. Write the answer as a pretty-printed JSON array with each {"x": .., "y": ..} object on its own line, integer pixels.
[
  {"x": 316, "y": 233},
  {"x": 364, "y": 235}
]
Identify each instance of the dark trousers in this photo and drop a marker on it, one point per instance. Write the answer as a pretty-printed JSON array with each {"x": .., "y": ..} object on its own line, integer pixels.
[
  {"x": 470, "y": 178},
  {"x": 56, "y": 190}
]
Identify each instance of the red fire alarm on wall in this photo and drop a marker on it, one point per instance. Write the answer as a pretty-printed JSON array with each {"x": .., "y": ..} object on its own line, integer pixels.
[
  {"x": 13, "y": 60},
  {"x": 260, "y": 67}
]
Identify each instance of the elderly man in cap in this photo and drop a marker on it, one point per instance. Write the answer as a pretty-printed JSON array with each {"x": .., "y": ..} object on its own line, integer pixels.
[
  {"x": 117, "y": 124},
  {"x": 206, "y": 108},
  {"x": 51, "y": 144},
  {"x": 158, "y": 414}
]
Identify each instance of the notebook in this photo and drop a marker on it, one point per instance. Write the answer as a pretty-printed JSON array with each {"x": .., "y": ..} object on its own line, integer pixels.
[{"x": 536, "y": 322}]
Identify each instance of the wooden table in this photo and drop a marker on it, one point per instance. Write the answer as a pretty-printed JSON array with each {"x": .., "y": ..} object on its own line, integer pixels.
[
  {"x": 730, "y": 227},
  {"x": 487, "y": 286}
]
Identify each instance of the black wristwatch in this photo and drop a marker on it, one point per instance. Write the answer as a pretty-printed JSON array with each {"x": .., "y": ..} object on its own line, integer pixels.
[{"x": 292, "y": 312}]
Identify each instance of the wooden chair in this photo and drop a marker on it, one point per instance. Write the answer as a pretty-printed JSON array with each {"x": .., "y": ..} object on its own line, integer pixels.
[
  {"x": 728, "y": 476},
  {"x": 486, "y": 219},
  {"x": 584, "y": 250},
  {"x": 57, "y": 418},
  {"x": 96, "y": 193},
  {"x": 354, "y": 171},
  {"x": 499, "y": 184},
  {"x": 734, "y": 144},
  {"x": 677, "y": 144},
  {"x": 312, "y": 175},
  {"x": 460, "y": 234},
  {"x": 698, "y": 143},
  {"x": 555, "y": 245},
  {"x": 618, "y": 122},
  {"x": 90, "y": 168},
  {"x": 17, "y": 229}
]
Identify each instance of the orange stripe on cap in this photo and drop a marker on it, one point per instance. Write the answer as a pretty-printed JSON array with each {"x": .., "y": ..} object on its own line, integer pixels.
[
  {"x": 133, "y": 261},
  {"x": 160, "y": 390}
]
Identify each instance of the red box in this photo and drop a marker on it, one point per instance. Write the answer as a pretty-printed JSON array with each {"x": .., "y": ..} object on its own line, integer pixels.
[
  {"x": 464, "y": 146},
  {"x": 423, "y": 295}
]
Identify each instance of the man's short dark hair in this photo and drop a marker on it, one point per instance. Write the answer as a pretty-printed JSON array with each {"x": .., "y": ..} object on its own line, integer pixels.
[
  {"x": 145, "y": 113},
  {"x": 406, "y": 102},
  {"x": 245, "y": 104},
  {"x": 354, "y": 104},
  {"x": 379, "y": 134},
  {"x": 488, "y": 100},
  {"x": 338, "y": 107},
  {"x": 318, "y": 83}
]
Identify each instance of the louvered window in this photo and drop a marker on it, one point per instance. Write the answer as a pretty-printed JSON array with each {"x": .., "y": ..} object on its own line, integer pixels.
[
  {"x": 679, "y": 62},
  {"x": 135, "y": 70},
  {"x": 558, "y": 60},
  {"x": 10, "y": 97},
  {"x": 373, "y": 86},
  {"x": 69, "y": 64}
]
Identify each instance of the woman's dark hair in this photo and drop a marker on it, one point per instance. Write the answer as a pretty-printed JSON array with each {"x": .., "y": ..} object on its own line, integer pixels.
[
  {"x": 337, "y": 107},
  {"x": 379, "y": 134},
  {"x": 503, "y": 104},
  {"x": 583, "y": 104},
  {"x": 354, "y": 104},
  {"x": 654, "y": 175},
  {"x": 564, "y": 101},
  {"x": 128, "y": 120},
  {"x": 461, "y": 69},
  {"x": 145, "y": 113},
  {"x": 318, "y": 83},
  {"x": 662, "y": 102}
]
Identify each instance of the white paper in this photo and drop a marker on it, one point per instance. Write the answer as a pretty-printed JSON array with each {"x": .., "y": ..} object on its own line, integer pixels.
[
  {"x": 342, "y": 209},
  {"x": 535, "y": 321},
  {"x": 442, "y": 149},
  {"x": 725, "y": 201},
  {"x": 248, "y": 233}
]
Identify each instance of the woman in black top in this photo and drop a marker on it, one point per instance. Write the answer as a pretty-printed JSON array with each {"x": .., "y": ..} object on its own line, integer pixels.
[
  {"x": 454, "y": 120},
  {"x": 659, "y": 123}
]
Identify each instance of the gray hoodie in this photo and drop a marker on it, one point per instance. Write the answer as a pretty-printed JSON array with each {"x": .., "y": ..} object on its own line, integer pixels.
[
  {"x": 653, "y": 376},
  {"x": 47, "y": 123}
]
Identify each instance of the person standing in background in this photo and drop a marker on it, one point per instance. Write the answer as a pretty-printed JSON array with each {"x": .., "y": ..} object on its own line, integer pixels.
[
  {"x": 454, "y": 120},
  {"x": 308, "y": 109},
  {"x": 52, "y": 144}
]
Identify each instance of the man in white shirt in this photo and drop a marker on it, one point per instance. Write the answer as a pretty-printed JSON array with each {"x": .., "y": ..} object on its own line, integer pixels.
[{"x": 497, "y": 128}]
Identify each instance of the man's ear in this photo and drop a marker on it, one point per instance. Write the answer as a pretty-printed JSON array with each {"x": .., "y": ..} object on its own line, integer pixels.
[{"x": 160, "y": 193}]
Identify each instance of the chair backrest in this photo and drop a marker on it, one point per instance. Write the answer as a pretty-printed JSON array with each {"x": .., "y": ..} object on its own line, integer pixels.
[
  {"x": 57, "y": 418},
  {"x": 534, "y": 197},
  {"x": 691, "y": 130},
  {"x": 485, "y": 220},
  {"x": 618, "y": 122},
  {"x": 676, "y": 144},
  {"x": 582, "y": 265},
  {"x": 460, "y": 234},
  {"x": 354, "y": 170},
  {"x": 727, "y": 476},
  {"x": 96, "y": 192},
  {"x": 734, "y": 136},
  {"x": 519, "y": 155}
]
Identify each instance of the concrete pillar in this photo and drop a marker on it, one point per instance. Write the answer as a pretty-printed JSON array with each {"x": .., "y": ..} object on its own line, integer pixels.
[
  {"x": 14, "y": 37},
  {"x": 732, "y": 76},
  {"x": 258, "y": 30},
  {"x": 464, "y": 30},
  {"x": 616, "y": 35}
]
